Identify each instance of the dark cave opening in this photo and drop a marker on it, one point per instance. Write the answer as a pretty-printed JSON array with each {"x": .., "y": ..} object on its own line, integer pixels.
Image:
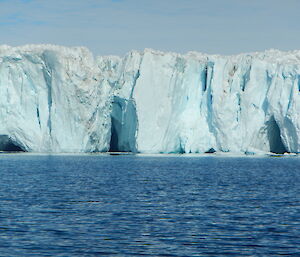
[
  {"x": 123, "y": 126},
  {"x": 7, "y": 144},
  {"x": 114, "y": 142},
  {"x": 274, "y": 137},
  {"x": 211, "y": 150}
]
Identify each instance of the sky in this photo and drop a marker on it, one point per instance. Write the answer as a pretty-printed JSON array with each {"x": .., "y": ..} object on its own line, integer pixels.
[{"x": 117, "y": 26}]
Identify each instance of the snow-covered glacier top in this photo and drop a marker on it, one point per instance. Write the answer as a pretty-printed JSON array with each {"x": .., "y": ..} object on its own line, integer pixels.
[{"x": 59, "y": 99}]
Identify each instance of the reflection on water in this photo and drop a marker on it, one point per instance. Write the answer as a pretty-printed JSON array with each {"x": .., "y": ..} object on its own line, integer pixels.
[{"x": 93, "y": 205}]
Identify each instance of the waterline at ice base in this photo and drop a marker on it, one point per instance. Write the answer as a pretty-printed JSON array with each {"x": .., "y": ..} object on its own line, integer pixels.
[{"x": 59, "y": 99}]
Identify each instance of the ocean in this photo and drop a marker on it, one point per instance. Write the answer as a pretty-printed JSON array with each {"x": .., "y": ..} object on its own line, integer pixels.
[{"x": 135, "y": 205}]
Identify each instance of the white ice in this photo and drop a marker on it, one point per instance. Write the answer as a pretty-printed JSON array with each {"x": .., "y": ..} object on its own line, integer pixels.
[{"x": 58, "y": 99}]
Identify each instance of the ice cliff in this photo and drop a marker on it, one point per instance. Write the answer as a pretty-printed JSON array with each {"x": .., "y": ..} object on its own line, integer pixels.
[
  {"x": 53, "y": 99},
  {"x": 57, "y": 99}
]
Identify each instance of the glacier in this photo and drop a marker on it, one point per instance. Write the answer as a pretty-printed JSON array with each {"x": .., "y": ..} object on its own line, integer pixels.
[
  {"x": 59, "y": 99},
  {"x": 53, "y": 99}
]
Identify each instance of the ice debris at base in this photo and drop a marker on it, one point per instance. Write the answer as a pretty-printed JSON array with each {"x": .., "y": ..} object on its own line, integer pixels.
[{"x": 58, "y": 99}]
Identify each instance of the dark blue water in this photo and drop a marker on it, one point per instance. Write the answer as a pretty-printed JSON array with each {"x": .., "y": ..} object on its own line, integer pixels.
[{"x": 150, "y": 206}]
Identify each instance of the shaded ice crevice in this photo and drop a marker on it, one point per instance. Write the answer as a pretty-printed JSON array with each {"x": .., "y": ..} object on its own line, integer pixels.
[
  {"x": 123, "y": 125},
  {"x": 7, "y": 144},
  {"x": 274, "y": 137},
  {"x": 124, "y": 120}
]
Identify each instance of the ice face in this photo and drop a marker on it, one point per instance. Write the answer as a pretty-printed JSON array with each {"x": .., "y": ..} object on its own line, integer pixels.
[
  {"x": 58, "y": 99},
  {"x": 53, "y": 99},
  {"x": 198, "y": 103}
]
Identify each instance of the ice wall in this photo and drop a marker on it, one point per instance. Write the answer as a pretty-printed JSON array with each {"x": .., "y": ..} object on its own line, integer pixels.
[
  {"x": 53, "y": 99},
  {"x": 198, "y": 103},
  {"x": 58, "y": 99}
]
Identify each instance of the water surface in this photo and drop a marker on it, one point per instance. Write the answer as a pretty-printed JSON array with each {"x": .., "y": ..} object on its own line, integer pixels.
[{"x": 97, "y": 205}]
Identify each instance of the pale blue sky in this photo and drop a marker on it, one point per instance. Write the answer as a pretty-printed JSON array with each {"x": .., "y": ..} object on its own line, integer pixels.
[{"x": 117, "y": 26}]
